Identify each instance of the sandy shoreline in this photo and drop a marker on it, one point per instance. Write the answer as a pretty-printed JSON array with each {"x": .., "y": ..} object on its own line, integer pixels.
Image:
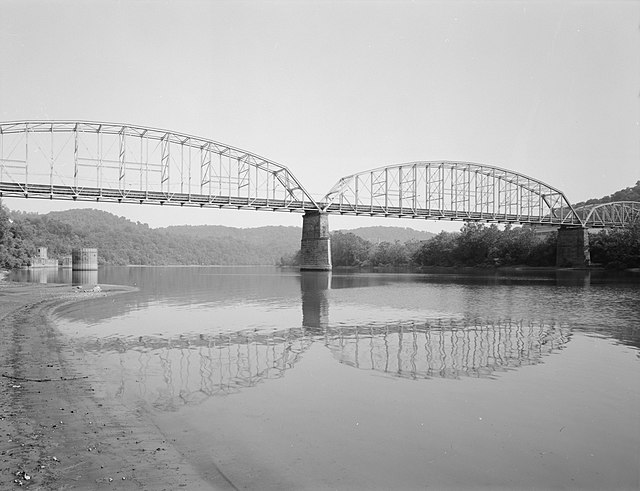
[{"x": 57, "y": 431}]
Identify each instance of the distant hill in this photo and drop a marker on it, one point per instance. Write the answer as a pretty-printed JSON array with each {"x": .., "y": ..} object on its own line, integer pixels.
[
  {"x": 120, "y": 241},
  {"x": 390, "y": 234},
  {"x": 257, "y": 234},
  {"x": 627, "y": 194},
  {"x": 273, "y": 242},
  {"x": 291, "y": 235}
]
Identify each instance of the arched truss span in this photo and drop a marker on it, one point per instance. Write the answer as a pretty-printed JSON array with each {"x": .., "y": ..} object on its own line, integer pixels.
[
  {"x": 614, "y": 214},
  {"x": 450, "y": 190},
  {"x": 96, "y": 161}
]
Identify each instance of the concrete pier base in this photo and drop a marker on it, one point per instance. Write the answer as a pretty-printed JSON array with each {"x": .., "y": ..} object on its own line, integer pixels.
[
  {"x": 573, "y": 247},
  {"x": 316, "y": 244}
]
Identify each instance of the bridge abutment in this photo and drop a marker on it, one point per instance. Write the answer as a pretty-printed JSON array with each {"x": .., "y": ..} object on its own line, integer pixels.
[
  {"x": 316, "y": 244},
  {"x": 573, "y": 247}
]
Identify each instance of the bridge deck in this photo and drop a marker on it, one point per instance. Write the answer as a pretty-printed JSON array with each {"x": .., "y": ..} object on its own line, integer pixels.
[
  {"x": 44, "y": 191},
  {"x": 442, "y": 214}
]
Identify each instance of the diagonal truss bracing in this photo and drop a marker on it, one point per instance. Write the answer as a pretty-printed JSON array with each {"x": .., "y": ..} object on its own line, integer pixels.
[
  {"x": 614, "y": 214},
  {"x": 450, "y": 190},
  {"x": 85, "y": 160}
]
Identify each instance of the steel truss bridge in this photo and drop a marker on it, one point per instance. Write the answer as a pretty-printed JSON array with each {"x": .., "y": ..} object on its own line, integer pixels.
[
  {"x": 111, "y": 162},
  {"x": 91, "y": 161}
]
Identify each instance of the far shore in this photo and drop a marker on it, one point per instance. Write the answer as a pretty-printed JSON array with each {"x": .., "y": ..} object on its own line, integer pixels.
[
  {"x": 59, "y": 430},
  {"x": 474, "y": 269}
]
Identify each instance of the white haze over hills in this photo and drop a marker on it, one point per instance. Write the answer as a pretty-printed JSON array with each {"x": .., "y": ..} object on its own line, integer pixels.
[{"x": 372, "y": 234}]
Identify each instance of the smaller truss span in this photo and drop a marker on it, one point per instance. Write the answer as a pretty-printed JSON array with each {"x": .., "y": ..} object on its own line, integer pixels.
[
  {"x": 451, "y": 191},
  {"x": 614, "y": 214}
]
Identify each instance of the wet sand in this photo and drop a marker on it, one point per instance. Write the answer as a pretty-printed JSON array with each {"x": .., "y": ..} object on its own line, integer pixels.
[{"x": 57, "y": 430}]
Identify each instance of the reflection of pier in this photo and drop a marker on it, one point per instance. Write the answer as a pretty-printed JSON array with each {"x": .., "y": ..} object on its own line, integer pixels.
[
  {"x": 59, "y": 275},
  {"x": 315, "y": 303},
  {"x": 444, "y": 349},
  {"x": 84, "y": 277}
]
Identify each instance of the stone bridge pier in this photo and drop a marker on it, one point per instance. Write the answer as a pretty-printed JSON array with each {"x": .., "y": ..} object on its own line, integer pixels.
[
  {"x": 316, "y": 244},
  {"x": 573, "y": 247}
]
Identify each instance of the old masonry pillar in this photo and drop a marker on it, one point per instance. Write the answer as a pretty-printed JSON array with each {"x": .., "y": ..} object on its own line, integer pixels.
[
  {"x": 573, "y": 247},
  {"x": 316, "y": 244}
]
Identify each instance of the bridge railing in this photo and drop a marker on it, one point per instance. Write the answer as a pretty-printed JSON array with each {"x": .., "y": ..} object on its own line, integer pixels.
[{"x": 106, "y": 161}]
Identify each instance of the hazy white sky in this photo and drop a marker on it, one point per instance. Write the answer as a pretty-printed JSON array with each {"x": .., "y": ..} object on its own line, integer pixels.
[{"x": 548, "y": 89}]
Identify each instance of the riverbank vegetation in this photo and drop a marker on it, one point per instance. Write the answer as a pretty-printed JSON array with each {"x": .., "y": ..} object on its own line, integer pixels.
[
  {"x": 479, "y": 245},
  {"x": 617, "y": 248},
  {"x": 476, "y": 245},
  {"x": 122, "y": 242}
]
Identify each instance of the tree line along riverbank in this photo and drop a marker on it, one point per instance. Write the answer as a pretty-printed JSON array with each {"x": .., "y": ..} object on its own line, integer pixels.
[
  {"x": 479, "y": 245},
  {"x": 122, "y": 242}
]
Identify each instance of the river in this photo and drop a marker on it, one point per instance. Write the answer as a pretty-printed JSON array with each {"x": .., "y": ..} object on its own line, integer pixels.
[{"x": 288, "y": 380}]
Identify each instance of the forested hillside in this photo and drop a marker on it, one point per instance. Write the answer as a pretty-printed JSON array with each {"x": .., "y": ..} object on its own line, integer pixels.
[
  {"x": 627, "y": 194},
  {"x": 389, "y": 234},
  {"x": 120, "y": 241}
]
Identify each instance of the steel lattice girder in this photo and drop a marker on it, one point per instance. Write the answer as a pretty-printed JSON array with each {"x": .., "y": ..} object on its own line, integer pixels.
[
  {"x": 613, "y": 214},
  {"x": 450, "y": 190},
  {"x": 87, "y": 160}
]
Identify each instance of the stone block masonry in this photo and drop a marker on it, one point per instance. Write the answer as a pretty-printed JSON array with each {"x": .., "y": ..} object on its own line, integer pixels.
[
  {"x": 573, "y": 247},
  {"x": 316, "y": 243}
]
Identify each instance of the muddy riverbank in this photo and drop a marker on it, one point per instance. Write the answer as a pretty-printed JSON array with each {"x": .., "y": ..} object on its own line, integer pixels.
[{"x": 57, "y": 429}]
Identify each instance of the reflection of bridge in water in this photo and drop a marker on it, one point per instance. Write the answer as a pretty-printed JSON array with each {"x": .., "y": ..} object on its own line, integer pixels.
[
  {"x": 444, "y": 348},
  {"x": 185, "y": 370},
  {"x": 189, "y": 369}
]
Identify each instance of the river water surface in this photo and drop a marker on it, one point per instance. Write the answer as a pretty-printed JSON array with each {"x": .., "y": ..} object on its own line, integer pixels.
[{"x": 288, "y": 380}]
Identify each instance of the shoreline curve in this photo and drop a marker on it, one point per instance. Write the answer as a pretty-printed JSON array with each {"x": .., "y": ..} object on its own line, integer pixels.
[{"x": 59, "y": 430}]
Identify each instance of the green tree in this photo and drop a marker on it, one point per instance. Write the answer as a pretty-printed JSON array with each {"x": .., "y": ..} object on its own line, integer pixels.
[
  {"x": 616, "y": 248},
  {"x": 389, "y": 254},
  {"x": 438, "y": 251},
  {"x": 347, "y": 249},
  {"x": 477, "y": 245},
  {"x": 543, "y": 250},
  {"x": 16, "y": 247}
]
